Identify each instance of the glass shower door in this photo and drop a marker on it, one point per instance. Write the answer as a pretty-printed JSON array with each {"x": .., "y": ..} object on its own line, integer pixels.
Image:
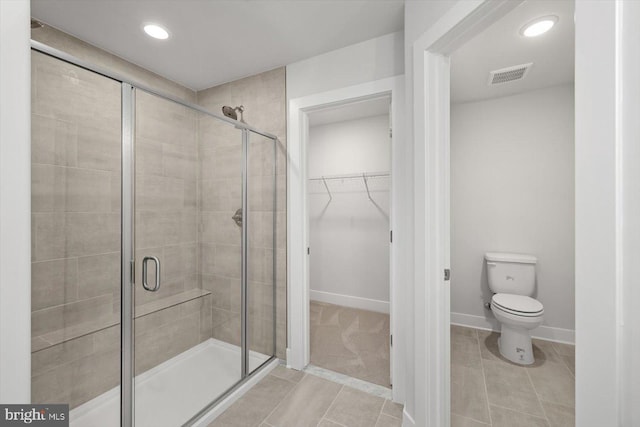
[
  {"x": 75, "y": 211},
  {"x": 187, "y": 309},
  {"x": 261, "y": 249}
]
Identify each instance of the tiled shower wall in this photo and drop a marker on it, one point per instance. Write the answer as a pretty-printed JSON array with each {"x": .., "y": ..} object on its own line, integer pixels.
[
  {"x": 264, "y": 99},
  {"x": 76, "y": 224},
  {"x": 184, "y": 183},
  {"x": 75, "y": 231}
]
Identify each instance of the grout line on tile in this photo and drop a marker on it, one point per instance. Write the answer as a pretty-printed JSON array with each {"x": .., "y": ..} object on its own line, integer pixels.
[
  {"x": 469, "y": 418},
  {"x": 484, "y": 380},
  {"x": 330, "y": 405},
  {"x": 331, "y": 421},
  {"x": 567, "y": 367},
  {"x": 264, "y": 420},
  {"x": 520, "y": 412},
  {"x": 537, "y": 396},
  {"x": 380, "y": 412}
]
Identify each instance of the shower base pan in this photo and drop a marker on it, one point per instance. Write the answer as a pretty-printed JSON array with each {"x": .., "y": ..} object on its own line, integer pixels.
[{"x": 169, "y": 394}]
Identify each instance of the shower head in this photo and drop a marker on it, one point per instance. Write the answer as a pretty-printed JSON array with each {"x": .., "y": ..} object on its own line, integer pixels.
[{"x": 231, "y": 112}]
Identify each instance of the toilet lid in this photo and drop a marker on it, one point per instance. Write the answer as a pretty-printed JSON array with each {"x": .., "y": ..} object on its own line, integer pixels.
[{"x": 517, "y": 303}]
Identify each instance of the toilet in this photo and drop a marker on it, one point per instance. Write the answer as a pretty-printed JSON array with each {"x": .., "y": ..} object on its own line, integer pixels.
[{"x": 512, "y": 279}]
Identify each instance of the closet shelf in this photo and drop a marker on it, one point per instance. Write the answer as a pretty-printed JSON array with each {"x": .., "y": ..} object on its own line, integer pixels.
[
  {"x": 362, "y": 176},
  {"x": 351, "y": 176}
]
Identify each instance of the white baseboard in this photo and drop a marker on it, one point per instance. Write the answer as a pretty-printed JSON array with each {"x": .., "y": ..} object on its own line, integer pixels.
[
  {"x": 547, "y": 333},
  {"x": 407, "y": 420},
  {"x": 350, "y": 301}
]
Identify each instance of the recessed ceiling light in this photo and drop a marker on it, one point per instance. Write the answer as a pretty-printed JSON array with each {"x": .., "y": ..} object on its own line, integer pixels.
[
  {"x": 539, "y": 26},
  {"x": 156, "y": 31}
]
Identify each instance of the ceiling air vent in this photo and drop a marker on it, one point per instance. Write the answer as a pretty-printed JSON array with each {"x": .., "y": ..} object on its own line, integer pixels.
[{"x": 509, "y": 74}]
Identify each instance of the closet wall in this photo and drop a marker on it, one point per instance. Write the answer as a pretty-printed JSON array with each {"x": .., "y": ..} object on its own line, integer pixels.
[{"x": 348, "y": 232}]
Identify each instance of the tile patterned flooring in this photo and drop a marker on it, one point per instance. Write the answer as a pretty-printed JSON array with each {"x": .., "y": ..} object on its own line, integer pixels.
[
  {"x": 487, "y": 390},
  {"x": 350, "y": 341},
  {"x": 289, "y": 398}
]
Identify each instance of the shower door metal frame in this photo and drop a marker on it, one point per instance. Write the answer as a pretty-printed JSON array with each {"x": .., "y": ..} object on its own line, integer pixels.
[
  {"x": 128, "y": 90},
  {"x": 127, "y": 321}
]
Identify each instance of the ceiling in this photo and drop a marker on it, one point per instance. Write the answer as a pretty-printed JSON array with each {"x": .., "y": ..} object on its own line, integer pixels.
[
  {"x": 501, "y": 46},
  {"x": 351, "y": 111},
  {"x": 216, "y": 41}
]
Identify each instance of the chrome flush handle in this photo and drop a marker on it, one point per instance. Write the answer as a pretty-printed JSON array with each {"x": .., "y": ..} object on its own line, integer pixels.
[{"x": 145, "y": 285}]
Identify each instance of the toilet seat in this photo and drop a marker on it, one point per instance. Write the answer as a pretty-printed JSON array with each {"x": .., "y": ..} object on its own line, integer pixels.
[{"x": 518, "y": 305}]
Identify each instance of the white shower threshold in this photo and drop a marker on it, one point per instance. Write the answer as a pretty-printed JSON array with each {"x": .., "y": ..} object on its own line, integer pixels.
[{"x": 169, "y": 394}]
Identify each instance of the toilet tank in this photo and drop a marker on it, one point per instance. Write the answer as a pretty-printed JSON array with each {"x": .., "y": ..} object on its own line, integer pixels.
[{"x": 511, "y": 273}]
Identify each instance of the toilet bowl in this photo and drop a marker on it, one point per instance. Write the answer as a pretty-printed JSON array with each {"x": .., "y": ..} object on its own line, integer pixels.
[
  {"x": 512, "y": 279},
  {"x": 517, "y": 315}
]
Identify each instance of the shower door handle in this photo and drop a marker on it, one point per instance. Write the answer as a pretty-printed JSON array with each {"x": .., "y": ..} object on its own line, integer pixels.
[{"x": 145, "y": 262}]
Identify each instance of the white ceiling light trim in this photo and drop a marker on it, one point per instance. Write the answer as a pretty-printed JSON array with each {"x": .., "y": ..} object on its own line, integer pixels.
[
  {"x": 156, "y": 31},
  {"x": 539, "y": 26}
]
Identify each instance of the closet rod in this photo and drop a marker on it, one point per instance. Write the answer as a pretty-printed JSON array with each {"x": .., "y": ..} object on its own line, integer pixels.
[{"x": 351, "y": 176}]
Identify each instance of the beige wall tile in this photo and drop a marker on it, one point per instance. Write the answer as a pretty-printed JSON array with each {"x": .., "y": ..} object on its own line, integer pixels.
[
  {"x": 53, "y": 386},
  {"x": 148, "y": 155},
  {"x": 165, "y": 342},
  {"x": 222, "y": 195},
  {"x": 107, "y": 339},
  {"x": 99, "y": 141},
  {"x": 54, "y": 356},
  {"x": 93, "y": 375},
  {"x": 99, "y": 275},
  {"x": 70, "y": 314},
  {"x": 53, "y": 141},
  {"x": 152, "y": 228},
  {"x": 53, "y": 283},
  {"x": 228, "y": 261},
  {"x": 227, "y": 330},
  {"x": 92, "y": 233},
  {"x": 156, "y": 193},
  {"x": 219, "y": 227},
  {"x": 225, "y": 291}
]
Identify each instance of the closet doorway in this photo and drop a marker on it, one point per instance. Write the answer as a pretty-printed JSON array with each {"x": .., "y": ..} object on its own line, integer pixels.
[
  {"x": 348, "y": 206},
  {"x": 304, "y": 114}
]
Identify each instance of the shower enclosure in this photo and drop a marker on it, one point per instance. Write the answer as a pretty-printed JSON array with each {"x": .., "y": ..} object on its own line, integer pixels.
[{"x": 153, "y": 224}]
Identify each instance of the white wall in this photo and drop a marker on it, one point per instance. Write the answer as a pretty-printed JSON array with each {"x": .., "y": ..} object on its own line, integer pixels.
[
  {"x": 352, "y": 146},
  {"x": 368, "y": 61},
  {"x": 15, "y": 202},
  {"x": 512, "y": 190},
  {"x": 349, "y": 235},
  {"x": 630, "y": 129}
]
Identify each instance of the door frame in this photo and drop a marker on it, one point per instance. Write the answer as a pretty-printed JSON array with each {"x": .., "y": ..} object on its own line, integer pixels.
[
  {"x": 298, "y": 349},
  {"x": 431, "y": 129},
  {"x": 607, "y": 223}
]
